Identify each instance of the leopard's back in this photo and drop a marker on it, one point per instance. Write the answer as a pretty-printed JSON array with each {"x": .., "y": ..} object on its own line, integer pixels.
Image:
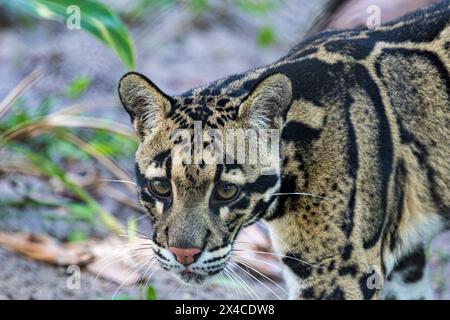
[{"x": 369, "y": 128}]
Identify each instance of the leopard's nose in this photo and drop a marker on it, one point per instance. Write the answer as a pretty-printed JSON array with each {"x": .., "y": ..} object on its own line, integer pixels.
[{"x": 185, "y": 255}]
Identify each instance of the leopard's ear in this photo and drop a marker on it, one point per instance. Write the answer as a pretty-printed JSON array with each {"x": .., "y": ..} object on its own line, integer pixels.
[
  {"x": 146, "y": 104},
  {"x": 265, "y": 106}
]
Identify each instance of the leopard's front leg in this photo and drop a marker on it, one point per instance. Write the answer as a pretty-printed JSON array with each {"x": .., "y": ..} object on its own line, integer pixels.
[
  {"x": 325, "y": 265},
  {"x": 332, "y": 280}
]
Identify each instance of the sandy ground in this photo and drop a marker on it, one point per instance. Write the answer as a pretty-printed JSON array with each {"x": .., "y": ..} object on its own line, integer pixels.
[{"x": 177, "y": 52}]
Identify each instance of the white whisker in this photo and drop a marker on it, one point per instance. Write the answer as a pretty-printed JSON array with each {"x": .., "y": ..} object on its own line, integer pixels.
[
  {"x": 275, "y": 234},
  {"x": 259, "y": 260},
  {"x": 241, "y": 292},
  {"x": 278, "y": 255},
  {"x": 299, "y": 194},
  {"x": 259, "y": 281},
  {"x": 126, "y": 230},
  {"x": 148, "y": 266},
  {"x": 115, "y": 260},
  {"x": 142, "y": 217},
  {"x": 226, "y": 284},
  {"x": 261, "y": 274},
  {"x": 120, "y": 181},
  {"x": 244, "y": 283},
  {"x": 142, "y": 265}
]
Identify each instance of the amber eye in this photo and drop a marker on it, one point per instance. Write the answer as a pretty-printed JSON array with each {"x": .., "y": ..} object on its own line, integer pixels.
[
  {"x": 226, "y": 192},
  {"x": 160, "y": 187}
]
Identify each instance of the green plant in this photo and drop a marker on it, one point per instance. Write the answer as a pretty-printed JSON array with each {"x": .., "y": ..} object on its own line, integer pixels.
[
  {"x": 256, "y": 6},
  {"x": 77, "y": 87},
  {"x": 94, "y": 17},
  {"x": 147, "y": 292},
  {"x": 44, "y": 140},
  {"x": 266, "y": 36},
  {"x": 77, "y": 235},
  {"x": 150, "y": 293}
]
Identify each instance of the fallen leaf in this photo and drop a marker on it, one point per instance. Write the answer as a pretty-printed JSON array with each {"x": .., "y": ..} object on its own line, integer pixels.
[{"x": 46, "y": 249}]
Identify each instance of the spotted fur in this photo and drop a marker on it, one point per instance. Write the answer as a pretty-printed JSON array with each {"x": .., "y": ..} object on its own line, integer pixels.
[{"x": 363, "y": 120}]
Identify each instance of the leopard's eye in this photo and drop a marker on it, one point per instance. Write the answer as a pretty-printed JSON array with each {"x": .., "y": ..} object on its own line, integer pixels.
[
  {"x": 160, "y": 187},
  {"x": 226, "y": 192}
]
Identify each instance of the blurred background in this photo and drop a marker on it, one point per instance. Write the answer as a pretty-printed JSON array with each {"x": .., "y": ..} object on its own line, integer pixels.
[{"x": 70, "y": 223}]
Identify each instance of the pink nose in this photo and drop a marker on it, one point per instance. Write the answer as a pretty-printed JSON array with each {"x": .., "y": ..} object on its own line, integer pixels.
[{"x": 184, "y": 255}]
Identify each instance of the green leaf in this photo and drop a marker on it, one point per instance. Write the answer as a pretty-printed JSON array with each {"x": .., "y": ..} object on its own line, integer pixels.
[
  {"x": 76, "y": 236},
  {"x": 199, "y": 6},
  {"x": 62, "y": 150},
  {"x": 256, "y": 6},
  {"x": 112, "y": 145},
  {"x": 94, "y": 17},
  {"x": 266, "y": 36},
  {"x": 141, "y": 8},
  {"x": 151, "y": 293},
  {"x": 77, "y": 87},
  {"x": 81, "y": 211},
  {"x": 124, "y": 297},
  {"x": 132, "y": 227}
]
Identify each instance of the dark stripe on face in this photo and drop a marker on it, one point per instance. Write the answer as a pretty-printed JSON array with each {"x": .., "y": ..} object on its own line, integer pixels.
[
  {"x": 240, "y": 204},
  {"x": 233, "y": 223},
  {"x": 288, "y": 185},
  {"x": 261, "y": 207},
  {"x": 218, "y": 174},
  {"x": 164, "y": 159},
  {"x": 261, "y": 184},
  {"x": 160, "y": 158},
  {"x": 142, "y": 184},
  {"x": 224, "y": 245},
  {"x": 257, "y": 213},
  {"x": 216, "y": 258},
  {"x": 154, "y": 238},
  {"x": 260, "y": 210},
  {"x": 161, "y": 256}
]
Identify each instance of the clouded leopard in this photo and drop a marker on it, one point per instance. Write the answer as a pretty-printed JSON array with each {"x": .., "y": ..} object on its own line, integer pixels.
[{"x": 361, "y": 178}]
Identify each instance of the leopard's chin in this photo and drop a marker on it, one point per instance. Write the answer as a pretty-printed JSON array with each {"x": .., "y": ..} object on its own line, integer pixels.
[{"x": 193, "y": 278}]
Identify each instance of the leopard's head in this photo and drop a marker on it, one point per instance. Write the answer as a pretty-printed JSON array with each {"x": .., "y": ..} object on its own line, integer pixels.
[{"x": 199, "y": 204}]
